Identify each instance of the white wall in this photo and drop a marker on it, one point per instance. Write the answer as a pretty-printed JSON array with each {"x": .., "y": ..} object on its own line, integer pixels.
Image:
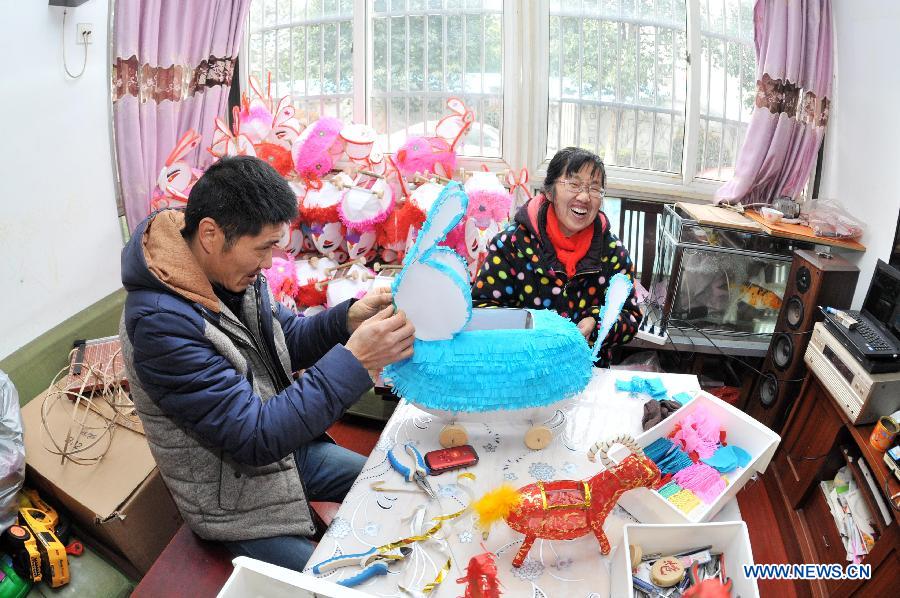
[
  {"x": 59, "y": 232},
  {"x": 862, "y": 145}
]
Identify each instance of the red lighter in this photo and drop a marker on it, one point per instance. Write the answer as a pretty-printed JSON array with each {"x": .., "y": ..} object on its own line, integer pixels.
[{"x": 446, "y": 459}]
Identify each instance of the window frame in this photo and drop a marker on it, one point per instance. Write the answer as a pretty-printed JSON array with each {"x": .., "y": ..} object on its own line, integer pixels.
[{"x": 526, "y": 40}]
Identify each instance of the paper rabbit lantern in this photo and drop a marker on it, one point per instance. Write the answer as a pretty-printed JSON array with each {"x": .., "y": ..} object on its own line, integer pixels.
[
  {"x": 315, "y": 149},
  {"x": 312, "y": 277},
  {"x": 282, "y": 279},
  {"x": 285, "y": 126},
  {"x": 437, "y": 154},
  {"x": 227, "y": 142},
  {"x": 476, "y": 243},
  {"x": 489, "y": 206},
  {"x": 328, "y": 239},
  {"x": 455, "y": 369},
  {"x": 361, "y": 208},
  {"x": 568, "y": 509},
  {"x": 360, "y": 244},
  {"x": 176, "y": 176},
  {"x": 255, "y": 116}
]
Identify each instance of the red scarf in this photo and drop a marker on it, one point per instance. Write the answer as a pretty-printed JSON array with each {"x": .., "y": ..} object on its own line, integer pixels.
[{"x": 569, "y": 250}]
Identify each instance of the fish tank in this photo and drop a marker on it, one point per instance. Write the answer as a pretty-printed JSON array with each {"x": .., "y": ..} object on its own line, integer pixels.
[{"x": 717, "y": 281}]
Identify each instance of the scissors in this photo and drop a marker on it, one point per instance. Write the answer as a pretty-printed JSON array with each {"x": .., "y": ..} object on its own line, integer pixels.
[
  {"x": 417, "y": 474},
  {"x": 372, "y": 563}
]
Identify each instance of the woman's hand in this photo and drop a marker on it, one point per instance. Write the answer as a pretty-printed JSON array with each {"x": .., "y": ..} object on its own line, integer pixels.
[
  {"x": 373, "y": 302},
  {"x": 587, "y": 327}
]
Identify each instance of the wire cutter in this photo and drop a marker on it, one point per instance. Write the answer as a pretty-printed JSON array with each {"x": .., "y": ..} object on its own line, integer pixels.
[
  {"x": 372, "y": 563},
  {"x": 418, "y": 473}
]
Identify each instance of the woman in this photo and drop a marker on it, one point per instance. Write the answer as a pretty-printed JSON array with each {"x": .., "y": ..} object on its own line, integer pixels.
[{"x": 559, "y": 253}]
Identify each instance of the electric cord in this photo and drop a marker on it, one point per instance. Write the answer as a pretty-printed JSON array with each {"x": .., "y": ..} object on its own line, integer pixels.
[
  {"x": 724, "y": 354},
  {"x": 65, "y": 63}
]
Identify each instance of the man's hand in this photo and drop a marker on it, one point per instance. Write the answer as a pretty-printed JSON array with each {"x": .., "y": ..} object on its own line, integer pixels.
[
  {"x": 587, "y": 327},
  {"x": 373, "y": 302},
  {"x": 384, "y": 338}
]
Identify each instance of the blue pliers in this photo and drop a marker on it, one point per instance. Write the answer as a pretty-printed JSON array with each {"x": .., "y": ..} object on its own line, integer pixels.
[
  {"x": 418, "y": 473},
  {"x": 372, "y": 563}
]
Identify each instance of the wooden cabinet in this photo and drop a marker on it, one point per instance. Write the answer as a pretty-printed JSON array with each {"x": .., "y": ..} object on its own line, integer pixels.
[
  {"x": 809, "y": 438},
  {"x": 817, "y": 441}
]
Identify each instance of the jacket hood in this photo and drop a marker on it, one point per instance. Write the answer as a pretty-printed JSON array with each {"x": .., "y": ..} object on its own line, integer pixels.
[
  {"x": 158, "y": 258},
  {"x": 533, "y": 216}
]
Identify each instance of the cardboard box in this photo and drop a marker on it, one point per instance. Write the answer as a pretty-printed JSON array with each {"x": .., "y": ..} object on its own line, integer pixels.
[
  {"x": 256, "y": 578},
  {"x": 119, "y": 502},
  {"x": 731, "y": 539},
  {"x": 742, "y": 430}
]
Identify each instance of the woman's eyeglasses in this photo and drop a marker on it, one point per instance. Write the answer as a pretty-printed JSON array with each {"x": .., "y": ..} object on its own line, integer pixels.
[{"x": 576, "y": 187}]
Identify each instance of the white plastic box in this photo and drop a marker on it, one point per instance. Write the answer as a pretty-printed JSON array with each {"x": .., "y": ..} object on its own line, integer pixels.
[
  {"x": 252, "y": 578},
  {"x": 731, "y": 539},
  {"x": 742, "y": 430}
]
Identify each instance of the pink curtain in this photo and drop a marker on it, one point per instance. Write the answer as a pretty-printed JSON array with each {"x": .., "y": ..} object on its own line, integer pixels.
[
  {"x": 793, "y": 95},
  {"x": 172, "y": 70}
]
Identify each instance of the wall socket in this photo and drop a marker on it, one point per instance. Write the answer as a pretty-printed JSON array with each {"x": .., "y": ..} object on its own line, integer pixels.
[{"x": 83, "y": 33}]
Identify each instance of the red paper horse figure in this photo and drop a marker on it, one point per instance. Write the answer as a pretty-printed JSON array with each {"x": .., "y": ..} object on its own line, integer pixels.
[{"x": 569, "y": 509}]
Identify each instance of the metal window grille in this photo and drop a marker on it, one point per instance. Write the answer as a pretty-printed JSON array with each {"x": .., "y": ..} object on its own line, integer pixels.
[
  {"x": 306, "y": 46},
  {"x": 618, "y": 80},
  {"x": 727, "y": 84},
  {"x": 426, "y": 51},
  {"x": 422, "y": 52}
]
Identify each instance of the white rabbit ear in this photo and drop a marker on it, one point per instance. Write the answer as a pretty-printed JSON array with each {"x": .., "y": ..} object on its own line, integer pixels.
[
  {"x": 617, "y": 294},
  {"x": 435, "y": 295},
  {"x": 443, "y": 216},
  {"x": 188, "y": 141},
  {"x": 433, "y": 287}
]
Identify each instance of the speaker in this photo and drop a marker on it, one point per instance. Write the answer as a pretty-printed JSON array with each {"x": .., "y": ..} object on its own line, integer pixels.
[{"x": 815, "y": 279}]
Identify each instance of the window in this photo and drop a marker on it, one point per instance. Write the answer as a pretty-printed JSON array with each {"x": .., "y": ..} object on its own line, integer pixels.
[
  {"x": 307, "y": 48},
  {"x": 727, "y": 85},
  {"x": 618, "y": 81},
  {"x": 422, "y": 53},
  {"x": 619, "y": 78},
  {"x": 426, "y": 51},
  {"x": 614, "y": 76}
]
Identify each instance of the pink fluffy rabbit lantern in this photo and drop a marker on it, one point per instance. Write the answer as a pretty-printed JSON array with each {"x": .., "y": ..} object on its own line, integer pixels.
[
  {"x": 316, "y": 150},
  {"x": 489, "y": 207},
  {"x": 437, "y": 154}
]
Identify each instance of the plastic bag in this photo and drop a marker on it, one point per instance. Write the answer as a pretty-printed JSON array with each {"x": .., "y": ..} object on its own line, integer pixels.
[
  {"x": 12, "y": 452},
  {"x": 827, "y": 218}
]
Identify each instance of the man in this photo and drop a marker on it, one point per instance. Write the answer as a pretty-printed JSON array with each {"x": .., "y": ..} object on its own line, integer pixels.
[{"x": 210, "y": 356}]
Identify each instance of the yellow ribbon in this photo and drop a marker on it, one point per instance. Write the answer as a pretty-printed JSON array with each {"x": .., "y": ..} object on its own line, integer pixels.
[{"x": 439, "y": 523}]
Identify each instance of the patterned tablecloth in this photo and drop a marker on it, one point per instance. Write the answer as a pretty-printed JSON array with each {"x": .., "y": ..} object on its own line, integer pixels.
[{"x": 570, "y": 569}]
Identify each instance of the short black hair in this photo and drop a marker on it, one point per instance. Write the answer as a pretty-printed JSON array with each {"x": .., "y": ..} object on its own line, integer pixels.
[
  {"x": 242, "y": 194},
  {"x": 570, "y": 161}
]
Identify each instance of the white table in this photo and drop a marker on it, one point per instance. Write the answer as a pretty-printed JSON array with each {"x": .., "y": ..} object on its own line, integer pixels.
[{"x": 567, "y": 569}]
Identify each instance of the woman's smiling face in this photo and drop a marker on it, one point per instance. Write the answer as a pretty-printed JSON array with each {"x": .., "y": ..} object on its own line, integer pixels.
[{"x": 576, "y": 210}]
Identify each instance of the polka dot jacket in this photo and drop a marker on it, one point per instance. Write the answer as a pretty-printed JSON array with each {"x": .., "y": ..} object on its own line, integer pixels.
[{"x": 521, "y": 270}]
